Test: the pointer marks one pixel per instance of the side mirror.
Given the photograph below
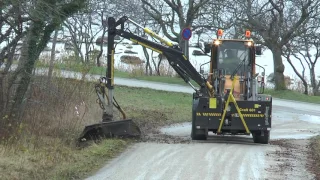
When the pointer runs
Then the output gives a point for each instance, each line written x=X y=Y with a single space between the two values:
x=258 y=50
x=207 y=48
x=197 y=53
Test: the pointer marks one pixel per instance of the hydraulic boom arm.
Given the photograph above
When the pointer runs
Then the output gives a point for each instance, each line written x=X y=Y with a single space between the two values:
x=173 y=53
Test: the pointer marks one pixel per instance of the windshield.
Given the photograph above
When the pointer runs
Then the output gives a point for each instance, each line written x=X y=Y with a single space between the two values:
x=231 y=54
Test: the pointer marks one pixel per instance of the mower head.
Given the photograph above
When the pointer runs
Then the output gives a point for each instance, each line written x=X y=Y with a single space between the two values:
x=120 y=128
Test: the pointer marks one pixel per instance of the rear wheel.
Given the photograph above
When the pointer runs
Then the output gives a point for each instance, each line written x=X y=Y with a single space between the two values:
x=261 y=137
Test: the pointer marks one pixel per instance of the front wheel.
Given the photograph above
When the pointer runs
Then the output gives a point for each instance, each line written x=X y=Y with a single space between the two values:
x=195 y=136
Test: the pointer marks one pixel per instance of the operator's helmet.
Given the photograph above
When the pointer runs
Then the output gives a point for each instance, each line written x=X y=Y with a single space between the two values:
x=230 y=54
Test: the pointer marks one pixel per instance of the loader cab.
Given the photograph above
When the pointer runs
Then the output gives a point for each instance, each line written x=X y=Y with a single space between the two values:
x=233 y=56
x=229 y=54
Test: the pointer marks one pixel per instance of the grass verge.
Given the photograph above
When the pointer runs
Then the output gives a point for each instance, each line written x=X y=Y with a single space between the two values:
x=314 y=156
x=46 y=149
x=56 y=160
x=293 y=95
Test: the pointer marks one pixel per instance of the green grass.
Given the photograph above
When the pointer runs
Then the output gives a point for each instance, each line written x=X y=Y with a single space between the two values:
x=172 y=106
x=293 y=95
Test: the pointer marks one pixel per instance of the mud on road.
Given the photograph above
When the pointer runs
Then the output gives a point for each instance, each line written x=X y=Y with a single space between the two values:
x=290 y=160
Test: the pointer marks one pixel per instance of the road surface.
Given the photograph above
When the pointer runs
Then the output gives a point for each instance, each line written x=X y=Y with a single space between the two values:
x=228 y=157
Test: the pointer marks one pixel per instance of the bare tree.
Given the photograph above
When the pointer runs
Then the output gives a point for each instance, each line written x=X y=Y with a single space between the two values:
x=83 y=30
x=168 y=13
x=13 y=20
x=212 y=16
x=274 y=24
x=53 y=55
x=289 y=54
x=312 y=59
x=131 y=9
x=44 y=19
x=302 y=49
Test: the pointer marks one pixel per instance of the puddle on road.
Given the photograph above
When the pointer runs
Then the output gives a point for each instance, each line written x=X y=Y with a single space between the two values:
x=182 y=129
x=288 y=116
x=291 y=134
x=310 y=118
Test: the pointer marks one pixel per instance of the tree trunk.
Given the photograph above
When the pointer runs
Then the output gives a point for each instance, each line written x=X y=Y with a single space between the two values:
x=53 y=55
x=153 y=62
x=301 y=76
x=101 y=47
x=36 y=40
x=25 y=74
x=314 y=84
x=148 y=67
x=317 y=90
x=158 y=67
x=4 y=93
x=278 y=69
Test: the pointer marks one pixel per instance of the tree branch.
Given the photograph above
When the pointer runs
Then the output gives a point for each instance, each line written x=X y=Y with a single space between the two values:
x=304 y=15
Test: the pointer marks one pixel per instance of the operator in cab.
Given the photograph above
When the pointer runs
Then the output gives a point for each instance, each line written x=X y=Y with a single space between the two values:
x=230 y=62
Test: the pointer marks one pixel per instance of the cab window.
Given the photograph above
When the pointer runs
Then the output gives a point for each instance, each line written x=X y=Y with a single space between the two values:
x=231 y=54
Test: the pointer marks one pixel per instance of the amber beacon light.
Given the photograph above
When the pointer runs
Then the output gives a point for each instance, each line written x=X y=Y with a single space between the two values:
x=220 y=32
x=248 y=34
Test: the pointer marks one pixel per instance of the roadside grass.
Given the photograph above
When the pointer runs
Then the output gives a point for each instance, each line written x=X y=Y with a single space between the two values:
x=293 y=95
x=54 y=159
x=154 y=108
x=314 y=156
x=46 y=147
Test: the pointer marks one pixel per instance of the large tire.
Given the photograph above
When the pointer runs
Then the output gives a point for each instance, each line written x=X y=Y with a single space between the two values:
x=195 y=136
x=258 y=138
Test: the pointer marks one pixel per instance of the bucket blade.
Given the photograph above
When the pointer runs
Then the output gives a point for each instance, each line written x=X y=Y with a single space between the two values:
x=122 y=128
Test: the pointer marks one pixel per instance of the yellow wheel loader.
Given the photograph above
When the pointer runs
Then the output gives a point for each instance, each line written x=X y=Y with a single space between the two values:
x=228 y=99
